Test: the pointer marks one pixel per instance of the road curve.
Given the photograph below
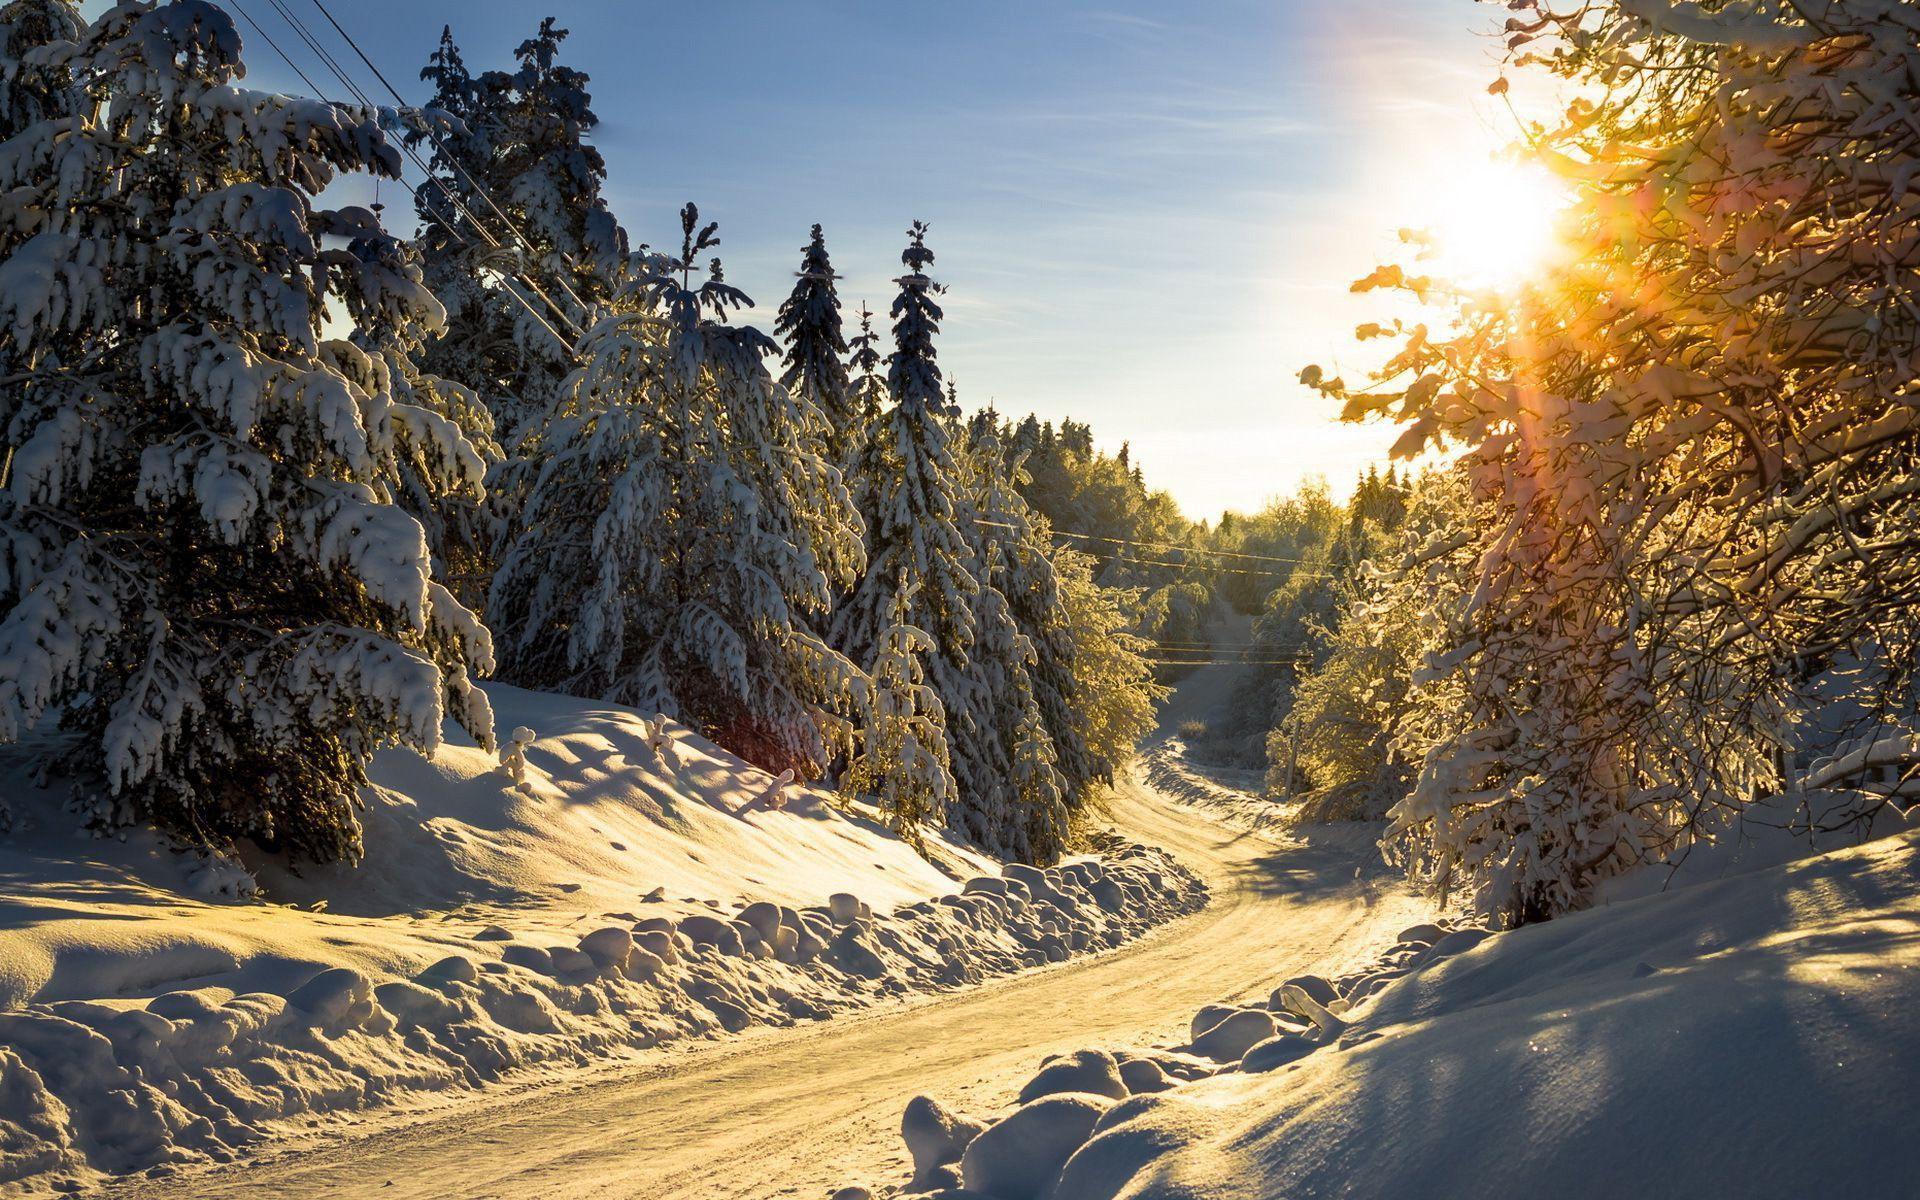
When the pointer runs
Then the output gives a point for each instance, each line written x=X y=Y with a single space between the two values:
x=799 y=1111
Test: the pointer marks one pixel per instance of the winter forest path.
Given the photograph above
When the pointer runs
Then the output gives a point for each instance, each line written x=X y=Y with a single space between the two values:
x=797 y=1112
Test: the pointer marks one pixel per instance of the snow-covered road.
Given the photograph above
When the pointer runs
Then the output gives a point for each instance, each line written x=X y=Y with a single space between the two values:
x=798 y=1111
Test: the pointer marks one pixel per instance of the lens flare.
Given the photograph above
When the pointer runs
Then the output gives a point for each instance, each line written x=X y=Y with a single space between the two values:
x=1494 y=227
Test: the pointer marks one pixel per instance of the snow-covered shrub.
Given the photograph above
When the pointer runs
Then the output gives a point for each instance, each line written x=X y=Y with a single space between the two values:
x=204 y=578
x=681 y=536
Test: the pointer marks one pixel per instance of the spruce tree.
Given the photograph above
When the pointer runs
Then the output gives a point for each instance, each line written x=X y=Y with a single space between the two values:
x=809 y=323
x=1022 y=558
x=38 y=89
x=912 y=481
x=865 y=463
x=518 y=239
x=204 y=580
x=913 y=495
x=681 y=535
x=445 y=448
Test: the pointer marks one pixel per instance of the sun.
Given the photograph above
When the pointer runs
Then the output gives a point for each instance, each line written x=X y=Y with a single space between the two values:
x=1493 y=226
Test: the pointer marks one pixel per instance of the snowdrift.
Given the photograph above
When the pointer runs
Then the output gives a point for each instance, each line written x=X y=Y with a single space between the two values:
x=620 y=898
x=1750 y=1036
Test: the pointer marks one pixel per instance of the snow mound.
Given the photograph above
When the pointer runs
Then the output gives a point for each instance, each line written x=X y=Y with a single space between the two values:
x=1576 y=1058
x=1573 y=1058
x=608 y=900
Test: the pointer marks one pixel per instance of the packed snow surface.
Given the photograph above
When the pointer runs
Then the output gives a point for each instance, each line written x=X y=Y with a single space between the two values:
x=635 y=886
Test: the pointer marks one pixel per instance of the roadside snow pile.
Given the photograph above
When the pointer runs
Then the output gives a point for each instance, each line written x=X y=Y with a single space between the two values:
x=1022 y=1154
x=1751 y=1036
x=494 y=926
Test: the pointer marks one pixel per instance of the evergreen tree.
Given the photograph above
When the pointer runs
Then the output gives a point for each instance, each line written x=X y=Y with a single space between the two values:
x=1016 y=562
x=681 y=534
x=445 y=447
x=913 y=486
x=903 y=758
x=204 y=579
x=518 y=241
x=816 y=349
x=865 y=464
x=1012 y=797
x=913 y=496
x=35 y=90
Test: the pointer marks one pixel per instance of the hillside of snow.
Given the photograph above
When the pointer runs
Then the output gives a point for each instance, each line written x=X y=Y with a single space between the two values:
x=452 y=846
x=638 y=887
x=1750 y=1036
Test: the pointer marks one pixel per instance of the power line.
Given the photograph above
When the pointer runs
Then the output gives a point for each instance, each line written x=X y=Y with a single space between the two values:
x=353 y=89
x=1158 y=562
x=453 y=159
x=408 y=150
x=425 y=169
x=1188 y=566
x=1096 y=537
x=318 y=93
x=1227 y=662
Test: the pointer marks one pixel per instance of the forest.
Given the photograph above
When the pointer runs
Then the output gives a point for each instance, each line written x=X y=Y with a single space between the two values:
x=281 y=485
x=455 y=639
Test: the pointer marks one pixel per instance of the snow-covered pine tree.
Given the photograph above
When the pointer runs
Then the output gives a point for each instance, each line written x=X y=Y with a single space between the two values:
x=1012 y=797
x=1010 y=783
x=902 y=759
x=915 y=490
x=869 y=383
x=517 y=237
x=203 y=579
x=865 y=464
x=681 y=534
x=912 y=484
x=816 y=366
x=446 y=447
x=33 y=91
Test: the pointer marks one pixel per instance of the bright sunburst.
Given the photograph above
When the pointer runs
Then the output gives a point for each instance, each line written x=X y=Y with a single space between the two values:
x=1493 y=226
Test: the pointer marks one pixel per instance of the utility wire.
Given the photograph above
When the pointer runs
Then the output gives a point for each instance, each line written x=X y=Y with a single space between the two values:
x=451 y=158
x=320 y=93
x=1158 y=562
x=426 y=169
x=1228 y=662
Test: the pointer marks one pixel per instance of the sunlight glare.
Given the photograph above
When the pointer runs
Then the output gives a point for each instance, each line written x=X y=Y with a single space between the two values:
x=1493 y=227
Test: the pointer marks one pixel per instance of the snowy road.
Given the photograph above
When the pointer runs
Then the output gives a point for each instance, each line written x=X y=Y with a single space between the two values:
x=796 y=1112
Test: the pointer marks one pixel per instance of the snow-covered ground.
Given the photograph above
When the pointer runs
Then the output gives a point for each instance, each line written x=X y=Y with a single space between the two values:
x=1234 y=794
x=1749 y=1035
x=623 y=897
x=795 y=1111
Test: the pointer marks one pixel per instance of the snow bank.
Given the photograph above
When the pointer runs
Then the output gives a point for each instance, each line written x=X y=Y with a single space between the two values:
x=1749 y=1036
x=621 y=897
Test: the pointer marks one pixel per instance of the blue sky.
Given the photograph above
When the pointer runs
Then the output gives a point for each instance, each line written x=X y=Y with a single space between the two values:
x=1147 y=213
